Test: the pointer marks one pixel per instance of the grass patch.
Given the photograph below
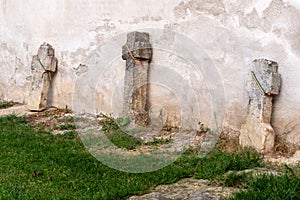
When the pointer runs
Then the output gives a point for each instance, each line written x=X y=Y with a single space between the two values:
x=217 y=163
x=264 y=186
x=237 y=180
x=67 y=127
x=6 y=104
x=123 y=140
x=66 y=120
x=116 y=135
x=270 y=187
x=36 y=164
x=158 y=141
x=39 y=165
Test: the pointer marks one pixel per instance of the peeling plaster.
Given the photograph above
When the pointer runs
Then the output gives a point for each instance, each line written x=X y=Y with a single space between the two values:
x=233 y=33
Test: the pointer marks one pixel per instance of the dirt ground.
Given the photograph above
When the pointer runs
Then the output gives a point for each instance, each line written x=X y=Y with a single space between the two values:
x=60 y=121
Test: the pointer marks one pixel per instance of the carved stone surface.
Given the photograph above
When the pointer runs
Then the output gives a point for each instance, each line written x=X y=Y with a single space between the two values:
x=262 y=84
x=43 y=67
x=138 y=53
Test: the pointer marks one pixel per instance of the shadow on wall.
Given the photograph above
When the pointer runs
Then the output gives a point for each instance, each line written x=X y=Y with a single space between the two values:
x=51 y=90
x=292 y=132
x=1 y=91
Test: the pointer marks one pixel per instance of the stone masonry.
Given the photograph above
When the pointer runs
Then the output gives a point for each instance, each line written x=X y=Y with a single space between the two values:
x=263 y=84
x=43 y=67
x=138 y=53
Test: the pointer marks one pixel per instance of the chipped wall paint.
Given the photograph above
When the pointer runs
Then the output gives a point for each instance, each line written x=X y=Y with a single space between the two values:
x=233 y=33
x=294 y=3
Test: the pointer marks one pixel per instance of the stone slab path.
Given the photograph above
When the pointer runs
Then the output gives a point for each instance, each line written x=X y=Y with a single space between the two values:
x=187 y=189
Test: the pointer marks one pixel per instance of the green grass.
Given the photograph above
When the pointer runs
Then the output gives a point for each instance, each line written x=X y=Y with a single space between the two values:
x=235 y=179
x=67 y=127
x=269 y=187
x=159 y=141
x=38 y=165
x=6 y=104
x=116 y=135
x=121 y=139
x=67 y=120
x=65 y=169
x=219 y=162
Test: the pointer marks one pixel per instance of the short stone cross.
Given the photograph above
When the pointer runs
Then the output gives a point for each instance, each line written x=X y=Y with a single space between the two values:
x=263 y=83
x=138 y=53
x=43 y=67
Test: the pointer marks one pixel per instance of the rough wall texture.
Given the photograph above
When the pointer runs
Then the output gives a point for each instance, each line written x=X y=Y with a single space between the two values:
x=233 y=33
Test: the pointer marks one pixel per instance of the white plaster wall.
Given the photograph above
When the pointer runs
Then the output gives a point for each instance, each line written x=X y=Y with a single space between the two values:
x=233 y=33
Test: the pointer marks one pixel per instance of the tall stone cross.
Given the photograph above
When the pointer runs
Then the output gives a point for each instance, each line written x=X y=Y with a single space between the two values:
x=138 y=53
x=43 y=67
x=262 y=85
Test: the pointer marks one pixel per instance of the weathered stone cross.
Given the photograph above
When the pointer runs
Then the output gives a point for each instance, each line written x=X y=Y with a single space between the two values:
x=138 y=53
x=43 y=67
x=264 y=82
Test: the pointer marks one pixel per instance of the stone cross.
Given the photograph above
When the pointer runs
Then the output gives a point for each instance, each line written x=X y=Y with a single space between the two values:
x=263 y=83
x=138 y=53
x=43 y=67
